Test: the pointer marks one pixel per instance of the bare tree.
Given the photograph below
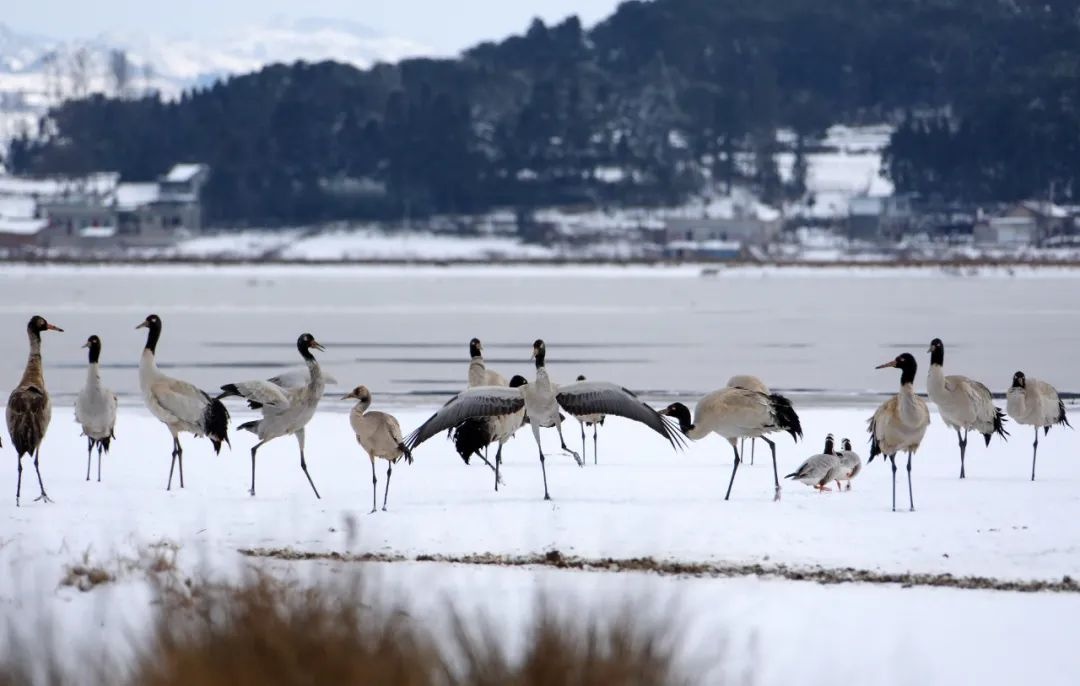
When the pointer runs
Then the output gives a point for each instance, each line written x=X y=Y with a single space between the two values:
x=120 y=72
x=54 y=77
x=79 y=69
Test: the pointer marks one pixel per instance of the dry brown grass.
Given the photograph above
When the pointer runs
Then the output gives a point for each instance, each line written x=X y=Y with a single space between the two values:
x=262 y=630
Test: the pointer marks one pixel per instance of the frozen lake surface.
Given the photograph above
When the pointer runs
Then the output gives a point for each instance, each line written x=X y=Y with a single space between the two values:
x=815 y=333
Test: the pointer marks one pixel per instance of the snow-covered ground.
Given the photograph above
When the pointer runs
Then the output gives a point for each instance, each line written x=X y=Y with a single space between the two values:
x=642 y=499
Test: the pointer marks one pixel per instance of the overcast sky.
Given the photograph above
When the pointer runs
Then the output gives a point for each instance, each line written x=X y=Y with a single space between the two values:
x=445 y=25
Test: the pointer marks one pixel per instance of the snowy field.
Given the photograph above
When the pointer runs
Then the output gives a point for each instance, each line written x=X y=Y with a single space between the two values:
x=642 y=499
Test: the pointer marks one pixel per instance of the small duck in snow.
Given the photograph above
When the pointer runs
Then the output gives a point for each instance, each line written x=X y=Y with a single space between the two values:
x=819 y=469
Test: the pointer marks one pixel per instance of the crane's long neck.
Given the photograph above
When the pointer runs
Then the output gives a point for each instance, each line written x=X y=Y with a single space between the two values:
x=148 y=368
x=476 y=371
x=314 y=370
x=33 y=372
x=935 y=380
x=909 y=404
x=92 y=372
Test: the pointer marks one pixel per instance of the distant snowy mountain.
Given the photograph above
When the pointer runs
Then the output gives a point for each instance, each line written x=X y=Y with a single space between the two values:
x=37 y=71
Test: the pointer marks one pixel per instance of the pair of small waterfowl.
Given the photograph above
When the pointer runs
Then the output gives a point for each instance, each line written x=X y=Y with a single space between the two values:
x=829 y=465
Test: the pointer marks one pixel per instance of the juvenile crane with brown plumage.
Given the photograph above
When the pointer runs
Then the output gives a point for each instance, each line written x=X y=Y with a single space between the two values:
x=29 y=409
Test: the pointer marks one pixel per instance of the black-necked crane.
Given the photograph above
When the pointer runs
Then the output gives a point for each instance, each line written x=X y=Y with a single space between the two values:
x=964 y=404
x=179 y=405
x=1037 y=404
x=735 y=413
x=29 y=408
x=95 y=408
x=900 y=423
x=477 y=433
x=379 y=434
x=286 y=407
x=541 y=401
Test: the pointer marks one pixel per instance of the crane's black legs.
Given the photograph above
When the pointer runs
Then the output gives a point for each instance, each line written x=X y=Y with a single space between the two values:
x=177 y=456
x=963 y=449
x=253 y=449
x=583 y=453
x=1034 y=453
x=374 y=483
x=18 y=483
x=753 y=446
x=41 y=485
x=483 y=458
x=303 y=464
x=892 y=460
x=386 y=492
x=89 y=452
x=577 y=458
x=498 y=463
x=540 y=449
x=99 y=448
x=775 y=472
x=595 y=459
x=734 y=469
x=911 y=497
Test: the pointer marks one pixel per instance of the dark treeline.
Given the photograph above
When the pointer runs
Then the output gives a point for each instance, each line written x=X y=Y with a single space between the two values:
x=646 y=107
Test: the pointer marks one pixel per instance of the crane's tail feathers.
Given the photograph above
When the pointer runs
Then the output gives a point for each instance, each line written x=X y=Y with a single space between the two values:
x=216 y=424
x=875 y=447
x=999 y=426
x=786 y=417
x=1062 y=419
x=406 y=452
x=791 y=475
x=252 y=426
x=471 y=436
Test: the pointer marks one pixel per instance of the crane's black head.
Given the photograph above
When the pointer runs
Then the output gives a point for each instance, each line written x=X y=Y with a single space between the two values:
x=681 y=413
x=305 y=344
x=937 y=351
x=907 y=365
x=846 y=444
x=580 y=377
x=360 y=394
x=94 y=344
x=37 y=324
x=517 y=381
x=829 y=444
x=1019 y=380
x=539 y=352
x=153 y=325
x=476 y=348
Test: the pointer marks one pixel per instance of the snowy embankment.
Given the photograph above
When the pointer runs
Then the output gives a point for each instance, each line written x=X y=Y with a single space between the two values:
x=642 y=499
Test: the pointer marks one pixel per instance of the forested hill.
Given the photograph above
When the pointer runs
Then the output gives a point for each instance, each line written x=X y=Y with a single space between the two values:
x=649 y=105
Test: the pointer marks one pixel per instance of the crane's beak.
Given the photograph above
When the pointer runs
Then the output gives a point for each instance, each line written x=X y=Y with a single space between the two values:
x=890 y=363
x=348 y=396
x=85 y=345
x=930 y=349
x=317 y=346
x=533 y=356
x=143 y=325
x=53 y=327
